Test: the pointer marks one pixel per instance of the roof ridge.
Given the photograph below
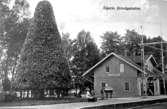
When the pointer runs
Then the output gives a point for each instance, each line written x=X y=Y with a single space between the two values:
x=131 y=63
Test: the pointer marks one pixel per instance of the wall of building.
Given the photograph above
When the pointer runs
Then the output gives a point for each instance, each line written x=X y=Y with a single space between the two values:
x=115 y=79
x=149 y=65
x=156 y=82
x=156 y=87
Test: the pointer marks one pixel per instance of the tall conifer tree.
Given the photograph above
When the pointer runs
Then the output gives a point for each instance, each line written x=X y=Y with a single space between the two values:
x=42 y=64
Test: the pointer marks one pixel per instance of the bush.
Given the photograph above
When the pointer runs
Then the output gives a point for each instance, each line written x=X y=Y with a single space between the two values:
x=6 y=84
x=10 y=96
x=2 y=96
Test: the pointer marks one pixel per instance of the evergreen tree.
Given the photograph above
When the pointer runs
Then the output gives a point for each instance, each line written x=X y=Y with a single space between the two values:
x=42 y=64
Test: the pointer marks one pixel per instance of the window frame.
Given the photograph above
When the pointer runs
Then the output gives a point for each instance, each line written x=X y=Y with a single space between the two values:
x=127 y=86
x=122 y=68
x=107 y=68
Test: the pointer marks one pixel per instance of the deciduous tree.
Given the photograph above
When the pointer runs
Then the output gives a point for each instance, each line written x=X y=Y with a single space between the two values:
x=111 y=42
x=86 y=54
x=12 y=35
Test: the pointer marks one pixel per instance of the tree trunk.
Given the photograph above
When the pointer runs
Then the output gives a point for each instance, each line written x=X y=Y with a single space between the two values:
x=21 y=94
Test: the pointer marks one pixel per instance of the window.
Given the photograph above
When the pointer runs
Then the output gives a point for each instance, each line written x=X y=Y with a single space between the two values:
x=126 y=86
x=107 y=68
x=121 y=68
x=103 y=84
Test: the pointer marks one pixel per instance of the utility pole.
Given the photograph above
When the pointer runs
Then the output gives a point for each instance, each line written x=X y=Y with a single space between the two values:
x=143 y=65
x=162 y=59
x=163 y=71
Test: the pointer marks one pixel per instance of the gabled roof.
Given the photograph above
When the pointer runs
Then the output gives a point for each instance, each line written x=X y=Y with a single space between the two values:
x=125 y=59
x=152 y=57
x=137 y=59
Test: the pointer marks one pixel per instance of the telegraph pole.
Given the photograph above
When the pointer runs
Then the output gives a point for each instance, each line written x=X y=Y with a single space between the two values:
x=163 y=71
x=143 y=65
x=162 y=59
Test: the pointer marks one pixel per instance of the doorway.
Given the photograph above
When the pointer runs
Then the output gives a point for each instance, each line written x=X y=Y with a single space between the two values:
x=150 y=86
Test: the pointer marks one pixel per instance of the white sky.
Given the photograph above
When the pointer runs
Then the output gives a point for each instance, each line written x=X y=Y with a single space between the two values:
x=73 y=16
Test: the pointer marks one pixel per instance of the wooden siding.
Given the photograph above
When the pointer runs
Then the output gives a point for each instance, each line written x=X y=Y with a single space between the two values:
x=115 y=79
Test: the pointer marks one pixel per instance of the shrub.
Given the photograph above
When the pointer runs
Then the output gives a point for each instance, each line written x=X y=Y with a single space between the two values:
x=10 y=96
